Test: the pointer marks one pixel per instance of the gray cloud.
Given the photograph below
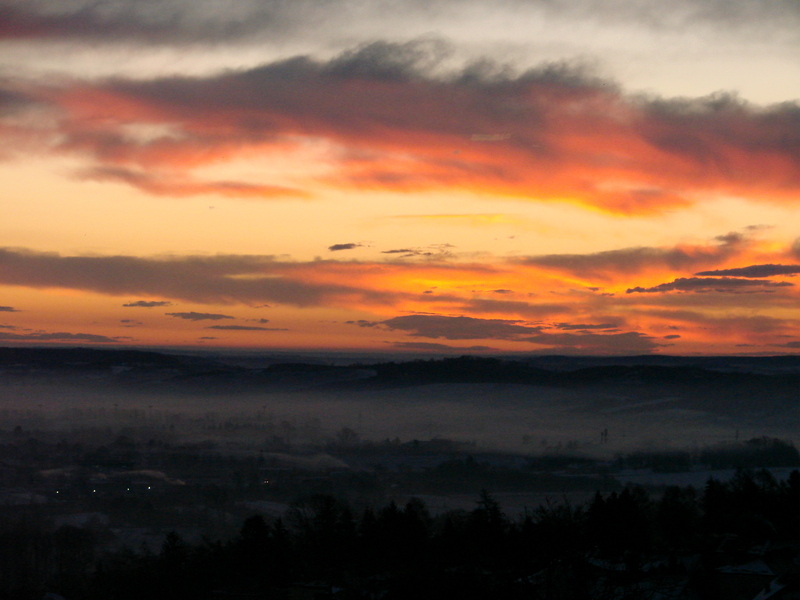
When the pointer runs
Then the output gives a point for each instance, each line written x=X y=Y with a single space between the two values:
x=244 y=328
x=388 y=61
x=161 y=184
x=178 y=21
x=196 y=316
x=168 y=21
x=769 y=270
x=201 y=279
x=459 y=328
x=363 y=323
x=337 y=247
x=437 y=250
x=570 y=326
x=631 y=342
x=636 y=260
x=8 y=309
x=709 y=284
x=57 y=337
x=147 y=304
x=11 y=101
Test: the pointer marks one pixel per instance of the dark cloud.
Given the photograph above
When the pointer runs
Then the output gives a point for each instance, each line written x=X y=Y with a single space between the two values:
x=202 y=279
x=167 y=22
x=437 y=250
x=148 y=304
x=502 y=291
x=672 y=336
x=459 y=328
x=636 y=260
x=244 y=328
x=386 y=61
x=57 y=337
x=337 y=247
x=363 y=323
x=769 y=270
x=709 y=284
x=262 y=321
x=182 y=22
x=569 y=326
x=12 y=101
x=8 y=309
x=733 y=238
x=196 y=316
x=631 y=342
x=11 y=327
x=790 y=345
x=754 y=300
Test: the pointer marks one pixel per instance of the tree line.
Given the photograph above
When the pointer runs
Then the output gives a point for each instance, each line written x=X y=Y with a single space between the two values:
x=620 y=544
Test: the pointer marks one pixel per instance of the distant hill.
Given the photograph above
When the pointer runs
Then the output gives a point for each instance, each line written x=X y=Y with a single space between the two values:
x=538 y=370
x=538 y=398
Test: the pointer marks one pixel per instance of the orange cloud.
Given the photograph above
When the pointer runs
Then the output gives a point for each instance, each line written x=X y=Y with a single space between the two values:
x=515 y=304
x=557 y=136
x=612 y=264
x=176 y=185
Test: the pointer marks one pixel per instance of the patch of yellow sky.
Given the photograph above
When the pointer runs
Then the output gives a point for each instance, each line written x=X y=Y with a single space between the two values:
x=56 y=211
x=52 y=209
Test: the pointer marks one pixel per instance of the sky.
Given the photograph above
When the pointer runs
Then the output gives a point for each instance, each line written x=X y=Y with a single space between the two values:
x=438 y=176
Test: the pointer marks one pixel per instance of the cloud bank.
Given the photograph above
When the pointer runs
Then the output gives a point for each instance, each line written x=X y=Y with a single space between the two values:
x=755 y=271
x=401 y=125
x=708 y=284
x=196 y=316
x=205 y=280
x=147 y=304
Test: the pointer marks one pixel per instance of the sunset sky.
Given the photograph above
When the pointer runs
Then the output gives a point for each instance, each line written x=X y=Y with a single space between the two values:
x=463 y=176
